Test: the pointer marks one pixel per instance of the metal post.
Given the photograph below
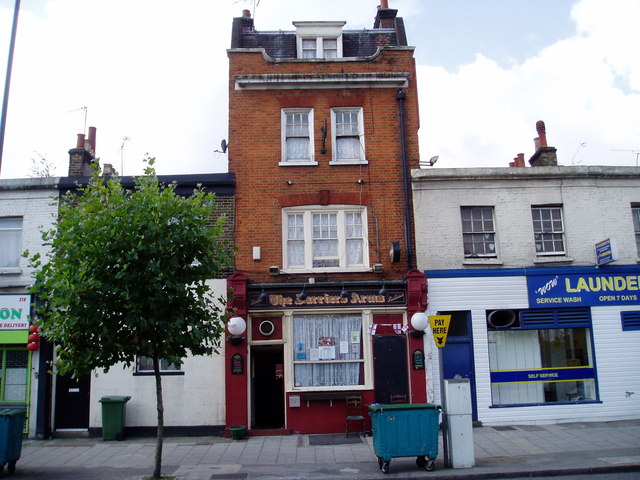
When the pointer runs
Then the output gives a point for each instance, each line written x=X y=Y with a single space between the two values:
x=7 y=82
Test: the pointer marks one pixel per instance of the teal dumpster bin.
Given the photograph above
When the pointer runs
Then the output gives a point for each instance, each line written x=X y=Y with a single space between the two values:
x=405 y=430
x=11 y=427
x=113 y=416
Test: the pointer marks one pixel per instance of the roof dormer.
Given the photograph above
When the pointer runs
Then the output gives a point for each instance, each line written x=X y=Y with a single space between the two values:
x=319 y=39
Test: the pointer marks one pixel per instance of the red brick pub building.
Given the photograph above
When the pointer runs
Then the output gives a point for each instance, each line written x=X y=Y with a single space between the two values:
x=323 y=125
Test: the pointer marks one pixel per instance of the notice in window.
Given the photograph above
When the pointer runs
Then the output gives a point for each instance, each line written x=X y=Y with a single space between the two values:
x=327 y=352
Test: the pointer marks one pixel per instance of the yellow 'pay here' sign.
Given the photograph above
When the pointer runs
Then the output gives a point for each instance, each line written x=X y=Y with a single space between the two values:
x=440 y=328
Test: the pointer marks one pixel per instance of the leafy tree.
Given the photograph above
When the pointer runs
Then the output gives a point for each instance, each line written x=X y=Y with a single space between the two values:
x=126 y=277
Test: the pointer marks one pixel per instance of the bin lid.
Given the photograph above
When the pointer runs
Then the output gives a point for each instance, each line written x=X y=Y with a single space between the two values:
x=114 y=399
x=379 y=407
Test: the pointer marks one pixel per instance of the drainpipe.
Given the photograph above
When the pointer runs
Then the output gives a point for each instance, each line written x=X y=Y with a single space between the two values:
x=400 y=96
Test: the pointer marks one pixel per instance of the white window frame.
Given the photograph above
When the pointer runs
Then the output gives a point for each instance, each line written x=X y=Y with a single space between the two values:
x=361 y=158
x=635 y=213
x=302 y=354
x=10 y=259
x=488 y=235
x=306 y=214
x=319 y=47
x=546 y=231
x=142 y=367
x=283 y=129
x=367 y=353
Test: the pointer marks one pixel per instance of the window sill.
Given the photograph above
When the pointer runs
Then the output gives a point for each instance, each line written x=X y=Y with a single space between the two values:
x=150 y=374
x=551 y=259
x=325 y=270
x=349 y=162
x=10 y=270
x=298 y=164
x=482 y=261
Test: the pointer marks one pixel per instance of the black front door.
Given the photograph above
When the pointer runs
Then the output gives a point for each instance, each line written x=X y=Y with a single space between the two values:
x=268 y=387
x=390 y=367
x=72 y=402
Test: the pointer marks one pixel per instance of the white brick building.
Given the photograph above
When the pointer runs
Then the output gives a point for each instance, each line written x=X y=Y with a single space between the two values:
x=544 y=333
x=27 y=206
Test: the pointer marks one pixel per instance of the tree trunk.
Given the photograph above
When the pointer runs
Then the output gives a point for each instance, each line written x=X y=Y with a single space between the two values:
x=160 y=436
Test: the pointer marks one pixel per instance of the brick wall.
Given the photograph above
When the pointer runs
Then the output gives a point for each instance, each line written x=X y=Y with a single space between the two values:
x=255 y=153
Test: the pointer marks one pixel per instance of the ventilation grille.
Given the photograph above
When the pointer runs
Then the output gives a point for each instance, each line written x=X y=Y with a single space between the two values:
x=551 y=318
x=630 y=320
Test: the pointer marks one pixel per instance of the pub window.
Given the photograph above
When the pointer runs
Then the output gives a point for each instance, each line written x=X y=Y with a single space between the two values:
x=328 y=351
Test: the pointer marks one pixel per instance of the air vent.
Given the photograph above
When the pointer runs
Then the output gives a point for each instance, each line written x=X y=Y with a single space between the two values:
x=266 y=328
x=503 y=319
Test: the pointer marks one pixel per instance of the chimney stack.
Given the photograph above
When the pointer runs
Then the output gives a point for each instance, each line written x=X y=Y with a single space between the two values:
x=81 y=157
x=386 y=17
x=544 y=156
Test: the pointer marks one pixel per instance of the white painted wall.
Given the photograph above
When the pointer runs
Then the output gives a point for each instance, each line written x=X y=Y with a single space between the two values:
x=596 y=205
x=193 y=399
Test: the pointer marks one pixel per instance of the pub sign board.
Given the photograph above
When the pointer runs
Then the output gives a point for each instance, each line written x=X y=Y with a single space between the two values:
x=327 y=298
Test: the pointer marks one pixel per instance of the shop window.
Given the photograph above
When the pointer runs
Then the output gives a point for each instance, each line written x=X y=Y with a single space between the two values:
x=347 y=135
x=548 y=359
x=15 y=375
x=630 y=321
x=328 y=351
x=10 y=241
x=297 y=136
x=635 y=213
x=325 y=239
x=548 y=230
x=144 y=366
x=478 y=232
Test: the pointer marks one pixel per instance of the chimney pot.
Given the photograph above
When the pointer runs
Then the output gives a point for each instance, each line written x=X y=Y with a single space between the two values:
x=542 y=133
x=80 y=142
x=246 y=13
x=384 y=3
x=92 y=139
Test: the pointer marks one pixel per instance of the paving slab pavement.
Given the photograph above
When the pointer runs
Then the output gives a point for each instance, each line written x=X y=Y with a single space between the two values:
x=500 y=452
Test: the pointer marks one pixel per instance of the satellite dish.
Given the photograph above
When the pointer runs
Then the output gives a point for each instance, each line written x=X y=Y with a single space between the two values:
x=223 y=145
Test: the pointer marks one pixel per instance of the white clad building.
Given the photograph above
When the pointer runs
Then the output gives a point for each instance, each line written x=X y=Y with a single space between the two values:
x=546 y=326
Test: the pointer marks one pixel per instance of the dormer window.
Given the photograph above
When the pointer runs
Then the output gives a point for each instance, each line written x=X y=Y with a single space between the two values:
x=319 y=39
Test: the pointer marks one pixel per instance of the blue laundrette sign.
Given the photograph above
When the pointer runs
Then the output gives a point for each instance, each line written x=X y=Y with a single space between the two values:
x=588 y=289
x=560 y=374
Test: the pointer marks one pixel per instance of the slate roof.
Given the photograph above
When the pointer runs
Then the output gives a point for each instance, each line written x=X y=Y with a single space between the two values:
x=282 y=44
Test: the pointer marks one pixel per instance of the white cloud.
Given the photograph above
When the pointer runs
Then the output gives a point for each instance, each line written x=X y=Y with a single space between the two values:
x=483 y=115
x=157 y=72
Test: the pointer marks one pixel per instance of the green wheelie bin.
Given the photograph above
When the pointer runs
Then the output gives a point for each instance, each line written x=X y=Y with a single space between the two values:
x=113 y=417
x=11 y=427
x=405 y=430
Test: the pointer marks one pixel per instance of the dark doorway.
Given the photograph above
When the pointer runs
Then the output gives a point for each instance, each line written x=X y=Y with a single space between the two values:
x=268 y=387
x=390 y=367
x=72 y=402
x=457 y=354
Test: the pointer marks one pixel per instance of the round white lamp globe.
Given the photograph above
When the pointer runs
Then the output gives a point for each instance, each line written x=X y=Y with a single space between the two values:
x=236 y=326
x=419 y=321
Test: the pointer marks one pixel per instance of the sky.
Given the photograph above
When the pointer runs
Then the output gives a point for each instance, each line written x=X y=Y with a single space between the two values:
x=152 y=77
